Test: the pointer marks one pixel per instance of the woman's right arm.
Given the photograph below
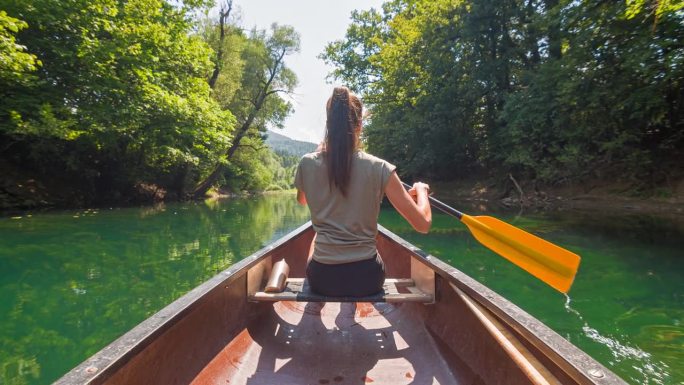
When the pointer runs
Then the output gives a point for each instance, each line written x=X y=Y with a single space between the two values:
x=418 y=212
x=301 y=197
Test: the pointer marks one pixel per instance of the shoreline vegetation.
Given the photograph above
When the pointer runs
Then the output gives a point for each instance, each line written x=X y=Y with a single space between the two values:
x=138 y=101
x=549 y=98
x=548 y=104
x=31 y=197
x=606 y=198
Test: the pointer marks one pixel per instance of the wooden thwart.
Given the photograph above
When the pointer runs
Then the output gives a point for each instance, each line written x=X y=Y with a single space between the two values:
x=395 y=290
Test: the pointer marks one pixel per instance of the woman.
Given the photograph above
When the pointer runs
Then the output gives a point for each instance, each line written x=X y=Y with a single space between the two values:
x=344 y=187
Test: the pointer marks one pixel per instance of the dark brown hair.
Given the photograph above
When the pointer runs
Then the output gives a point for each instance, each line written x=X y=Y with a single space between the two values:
x=343 y=122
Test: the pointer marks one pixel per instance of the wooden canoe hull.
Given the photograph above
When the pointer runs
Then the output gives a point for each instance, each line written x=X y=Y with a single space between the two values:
x=215 y=334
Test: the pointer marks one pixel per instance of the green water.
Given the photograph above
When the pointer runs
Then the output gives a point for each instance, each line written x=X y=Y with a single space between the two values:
x=626 y=307
x=71 y=282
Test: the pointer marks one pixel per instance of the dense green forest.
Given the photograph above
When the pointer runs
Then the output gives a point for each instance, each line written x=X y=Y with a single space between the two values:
x=112 y=100
x=554 y=92
x=116 y=101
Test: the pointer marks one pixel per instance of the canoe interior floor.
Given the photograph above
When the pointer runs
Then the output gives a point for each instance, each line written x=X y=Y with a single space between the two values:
x=331 y=343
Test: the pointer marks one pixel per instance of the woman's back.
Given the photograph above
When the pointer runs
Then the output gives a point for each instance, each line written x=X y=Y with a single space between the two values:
x=343 y=188
x=345 y=224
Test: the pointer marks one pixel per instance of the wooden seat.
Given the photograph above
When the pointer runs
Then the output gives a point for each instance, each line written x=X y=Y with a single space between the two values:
x=394 y=290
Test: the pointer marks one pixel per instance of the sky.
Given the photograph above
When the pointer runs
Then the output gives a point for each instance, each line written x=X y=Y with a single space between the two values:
x=318 y=22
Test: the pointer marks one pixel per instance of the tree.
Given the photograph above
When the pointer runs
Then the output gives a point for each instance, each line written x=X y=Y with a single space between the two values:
x=257 y=102
x=610 y=105
x=557 y=91
x=224 y=14
x=15 y=63
x=414 y=58
x=121 y=96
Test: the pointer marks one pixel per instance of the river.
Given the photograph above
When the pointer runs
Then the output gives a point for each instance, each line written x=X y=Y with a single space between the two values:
x=73 y=281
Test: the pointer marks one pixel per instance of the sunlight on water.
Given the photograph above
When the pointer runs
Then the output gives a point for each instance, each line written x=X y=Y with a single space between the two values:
x=652 y=373
x=641 y=361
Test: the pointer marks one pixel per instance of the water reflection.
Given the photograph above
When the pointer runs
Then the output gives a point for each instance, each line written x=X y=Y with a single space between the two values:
x=71 y=282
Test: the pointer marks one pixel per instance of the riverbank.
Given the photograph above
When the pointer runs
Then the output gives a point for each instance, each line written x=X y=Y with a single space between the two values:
x=609 y=197
x=21 y=192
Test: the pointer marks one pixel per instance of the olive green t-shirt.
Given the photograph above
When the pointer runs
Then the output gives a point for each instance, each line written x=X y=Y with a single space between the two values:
x=345 y=226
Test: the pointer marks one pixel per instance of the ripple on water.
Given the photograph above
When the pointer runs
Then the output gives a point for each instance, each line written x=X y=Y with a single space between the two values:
x=652 y=371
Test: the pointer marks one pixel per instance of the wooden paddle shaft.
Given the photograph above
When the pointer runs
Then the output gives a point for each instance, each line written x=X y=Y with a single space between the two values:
x=535 y=371
x=441 y=206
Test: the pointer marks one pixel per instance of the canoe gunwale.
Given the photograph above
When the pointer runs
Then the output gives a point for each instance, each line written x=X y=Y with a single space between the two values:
x=99 y=367
x=575 y=362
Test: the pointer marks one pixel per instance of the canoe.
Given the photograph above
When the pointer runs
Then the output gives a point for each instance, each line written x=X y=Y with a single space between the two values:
x=433 y=325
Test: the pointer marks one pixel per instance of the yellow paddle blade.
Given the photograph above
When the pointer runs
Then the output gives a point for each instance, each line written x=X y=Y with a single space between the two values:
x=546 y=261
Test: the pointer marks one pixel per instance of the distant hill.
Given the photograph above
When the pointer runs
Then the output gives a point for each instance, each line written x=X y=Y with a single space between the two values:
x=282 y=144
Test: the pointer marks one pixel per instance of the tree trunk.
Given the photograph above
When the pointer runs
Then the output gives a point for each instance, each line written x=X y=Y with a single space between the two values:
x=202 y=188
x=209 y=181
x=224 y=13
x=532 y=35
x=555 y=50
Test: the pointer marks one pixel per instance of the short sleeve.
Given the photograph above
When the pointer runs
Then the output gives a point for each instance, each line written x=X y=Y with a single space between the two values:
x=386 y=170
x=299 y=178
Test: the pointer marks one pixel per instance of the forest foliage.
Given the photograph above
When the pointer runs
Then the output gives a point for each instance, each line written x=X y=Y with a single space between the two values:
x=123 y=99
x=150 y=98
x=555 y=91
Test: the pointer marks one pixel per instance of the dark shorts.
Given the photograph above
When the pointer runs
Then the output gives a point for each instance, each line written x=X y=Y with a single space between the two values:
x=355 y=279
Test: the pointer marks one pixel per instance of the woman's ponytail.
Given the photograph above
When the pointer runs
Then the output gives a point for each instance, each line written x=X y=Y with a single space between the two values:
x=342 y=126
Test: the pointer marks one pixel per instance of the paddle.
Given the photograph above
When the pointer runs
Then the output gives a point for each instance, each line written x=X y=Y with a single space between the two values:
x=550 y=263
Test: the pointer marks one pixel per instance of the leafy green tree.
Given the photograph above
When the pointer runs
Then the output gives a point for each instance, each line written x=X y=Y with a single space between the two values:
x=121 y=95
x=414 y=57
x=611 y=105
x=15 y=63
x=554 y=90
x=256 y=103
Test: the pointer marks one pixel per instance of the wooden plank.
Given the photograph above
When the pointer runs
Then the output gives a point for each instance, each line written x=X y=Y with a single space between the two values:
x=420 y=298
x=393 y=281
x=297 y=289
